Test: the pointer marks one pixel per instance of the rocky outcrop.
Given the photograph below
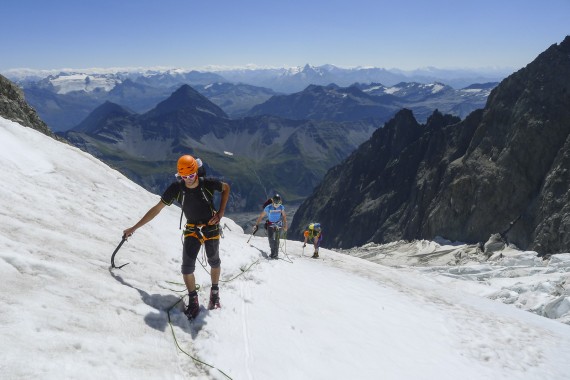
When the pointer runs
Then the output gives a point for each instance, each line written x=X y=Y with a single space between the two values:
x=515 y=166
x=13 y=107
x=504 y=169
x=382 y=192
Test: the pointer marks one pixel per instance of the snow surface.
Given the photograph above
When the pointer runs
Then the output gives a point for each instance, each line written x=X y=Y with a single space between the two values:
x=497 y=271
x=392 y=90
x=472 y=90
x=64 y=314
x=83 y=82
x=436 y=88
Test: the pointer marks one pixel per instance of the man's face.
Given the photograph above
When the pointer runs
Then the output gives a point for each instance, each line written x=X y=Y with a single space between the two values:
x=190 y=179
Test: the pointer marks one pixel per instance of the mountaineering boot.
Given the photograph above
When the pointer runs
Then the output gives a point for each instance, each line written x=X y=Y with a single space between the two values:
x=315 y=255
x=193 y=306
x=214 y=299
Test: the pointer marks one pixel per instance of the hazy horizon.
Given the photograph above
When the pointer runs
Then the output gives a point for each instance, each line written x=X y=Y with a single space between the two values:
x=406 y=35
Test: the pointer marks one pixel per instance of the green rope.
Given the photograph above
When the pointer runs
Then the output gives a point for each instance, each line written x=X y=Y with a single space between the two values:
x=242 y=272
x=180 y=283
x=283 y=247
x=236 y=276
x=181 y=298
x=173 y=290
x=176 y=283
x=180 y=348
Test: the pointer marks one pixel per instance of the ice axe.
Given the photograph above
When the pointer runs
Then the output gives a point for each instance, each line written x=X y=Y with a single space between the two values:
x=115 y=252
x=252 y=233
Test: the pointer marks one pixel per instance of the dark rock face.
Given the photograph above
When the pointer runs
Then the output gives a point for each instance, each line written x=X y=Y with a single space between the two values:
x=378 y=192
x=462 y=180
x=14 y=107
x=515 y=162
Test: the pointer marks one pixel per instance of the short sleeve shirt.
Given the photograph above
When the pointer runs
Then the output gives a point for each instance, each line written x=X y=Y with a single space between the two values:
x=273 y=213
x=197 y=206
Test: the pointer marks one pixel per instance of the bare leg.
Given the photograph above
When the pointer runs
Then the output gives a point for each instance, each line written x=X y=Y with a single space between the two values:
x=190 y=282
x=215 y=275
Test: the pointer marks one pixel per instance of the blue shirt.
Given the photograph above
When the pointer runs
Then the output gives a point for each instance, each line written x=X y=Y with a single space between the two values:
x=273 y=213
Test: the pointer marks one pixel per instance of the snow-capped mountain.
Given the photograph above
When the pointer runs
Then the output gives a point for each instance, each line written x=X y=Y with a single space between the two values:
x=68 y=82
x=287 y=80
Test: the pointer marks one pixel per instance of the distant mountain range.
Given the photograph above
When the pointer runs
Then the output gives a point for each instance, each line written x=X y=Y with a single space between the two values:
x=141 y=123
x=256 y=155
x=63 y=107
x=298 y=78
x=282 y=80
x=375 y=100
x=311 y=130
x=64 y=99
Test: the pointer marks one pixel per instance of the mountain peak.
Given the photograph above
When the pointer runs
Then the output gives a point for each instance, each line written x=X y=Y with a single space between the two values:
x=186 y=92
x=186 y=99
x=100 y=115
x=565 y=44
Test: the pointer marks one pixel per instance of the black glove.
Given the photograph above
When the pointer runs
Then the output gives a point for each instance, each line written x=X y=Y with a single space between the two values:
x=304 y=245
x=255 y=228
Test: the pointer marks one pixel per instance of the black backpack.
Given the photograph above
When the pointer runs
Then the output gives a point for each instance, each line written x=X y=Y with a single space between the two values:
x=270 y=200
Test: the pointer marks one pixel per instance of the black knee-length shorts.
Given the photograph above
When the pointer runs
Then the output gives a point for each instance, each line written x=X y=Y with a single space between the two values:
x=190 y=252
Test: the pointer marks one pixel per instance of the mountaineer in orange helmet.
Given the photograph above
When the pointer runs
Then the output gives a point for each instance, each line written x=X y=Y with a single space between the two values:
x=195 y=195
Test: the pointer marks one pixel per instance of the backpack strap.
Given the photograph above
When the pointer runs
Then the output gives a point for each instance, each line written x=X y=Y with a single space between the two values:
x=181 y=195
x=208 y=199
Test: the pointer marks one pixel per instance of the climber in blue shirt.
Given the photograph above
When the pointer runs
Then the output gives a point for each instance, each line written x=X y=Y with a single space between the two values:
x=276 y=220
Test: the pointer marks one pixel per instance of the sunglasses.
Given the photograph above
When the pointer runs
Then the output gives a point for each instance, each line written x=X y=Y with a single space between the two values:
x=190 y=176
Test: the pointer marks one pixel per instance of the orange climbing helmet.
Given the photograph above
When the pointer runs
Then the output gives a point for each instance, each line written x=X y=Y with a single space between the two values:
x=187 y=165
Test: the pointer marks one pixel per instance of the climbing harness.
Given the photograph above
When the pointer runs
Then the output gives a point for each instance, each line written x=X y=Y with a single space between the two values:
x=202 y=232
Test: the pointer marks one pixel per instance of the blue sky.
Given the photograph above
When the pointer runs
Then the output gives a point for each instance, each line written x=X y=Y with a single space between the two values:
x=404 y=34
